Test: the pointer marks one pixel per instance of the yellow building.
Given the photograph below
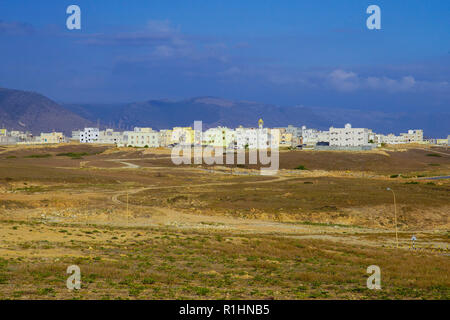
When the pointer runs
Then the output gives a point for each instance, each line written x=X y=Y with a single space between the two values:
x=165 y=138
x=286 y=139
x=183 y=135
x=52 y=137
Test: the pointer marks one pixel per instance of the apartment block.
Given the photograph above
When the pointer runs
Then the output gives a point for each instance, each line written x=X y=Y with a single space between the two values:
x=109 y=136
x=219 y=137
x=141 y=137
x=286 y=139
x=52 y=137
x=413 y=136
x=253 y=138
x=75 y=135
x=294 y=131
x=183 y=135
x=89 y=135
x=348 y=136
x=165 y=137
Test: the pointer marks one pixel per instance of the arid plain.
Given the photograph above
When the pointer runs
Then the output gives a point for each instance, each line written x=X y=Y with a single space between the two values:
x=140 y=227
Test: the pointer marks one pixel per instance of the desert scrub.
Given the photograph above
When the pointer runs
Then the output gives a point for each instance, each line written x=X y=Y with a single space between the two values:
x=73 y=155
x=46 y=155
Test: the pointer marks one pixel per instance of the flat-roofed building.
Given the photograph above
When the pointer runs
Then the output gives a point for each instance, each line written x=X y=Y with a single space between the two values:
x=295 y=131
x=183 y=135
x=253 y=138
x=286 y=138
x=75 y=135
x=89 y=135
x=309 y=136
x=219 y=137
x=52 y=137
x=165 y=137
x=413 y=136
x=141 y=137
x=348 y=136
x=109 y=136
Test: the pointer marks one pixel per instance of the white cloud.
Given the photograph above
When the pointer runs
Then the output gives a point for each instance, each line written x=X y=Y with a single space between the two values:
x=344 y=81
x=347 y=81
x=161 y=26
x=231 y=71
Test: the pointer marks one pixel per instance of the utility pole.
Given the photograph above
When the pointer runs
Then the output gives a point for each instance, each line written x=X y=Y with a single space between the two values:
x=395 y=215
x=128 y=216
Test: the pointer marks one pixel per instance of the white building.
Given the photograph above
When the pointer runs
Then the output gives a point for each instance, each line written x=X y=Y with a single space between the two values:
x=89 y=135
x=141 y=137
x=323 y=136
x=253 y=138
x=295 y=131
x=109 y=136
x=390 y=139
x=413 y=136
x=312 y=136
x=309 y=136
x=348 y=136
x=75 y=135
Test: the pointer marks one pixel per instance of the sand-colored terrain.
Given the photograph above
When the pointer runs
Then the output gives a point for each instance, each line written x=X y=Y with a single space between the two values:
x=140 y=227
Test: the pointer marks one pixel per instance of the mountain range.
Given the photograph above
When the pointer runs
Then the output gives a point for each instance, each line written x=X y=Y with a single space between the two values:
x=30 y=111
x=36 y=113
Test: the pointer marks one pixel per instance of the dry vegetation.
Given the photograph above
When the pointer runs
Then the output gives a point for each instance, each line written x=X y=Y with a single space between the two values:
x=191 y=233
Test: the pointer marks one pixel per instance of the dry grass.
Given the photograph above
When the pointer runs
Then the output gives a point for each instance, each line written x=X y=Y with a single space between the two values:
x=188 y=233
x=166 y=263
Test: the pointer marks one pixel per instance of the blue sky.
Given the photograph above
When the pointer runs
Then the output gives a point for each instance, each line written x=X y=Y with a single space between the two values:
x=312 y=53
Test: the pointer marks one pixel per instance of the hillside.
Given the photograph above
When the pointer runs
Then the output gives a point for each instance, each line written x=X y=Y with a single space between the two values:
x=30 y=111
x=160 y=114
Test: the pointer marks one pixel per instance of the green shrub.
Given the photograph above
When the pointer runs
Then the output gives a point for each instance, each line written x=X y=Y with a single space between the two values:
x=73 y=155
x=39 y=156
x=148 y=280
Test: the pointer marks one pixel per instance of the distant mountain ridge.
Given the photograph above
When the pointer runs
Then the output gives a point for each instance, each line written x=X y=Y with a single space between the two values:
x=213 y=111
x=30 y=111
